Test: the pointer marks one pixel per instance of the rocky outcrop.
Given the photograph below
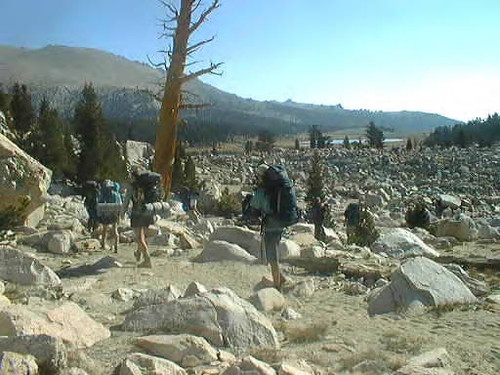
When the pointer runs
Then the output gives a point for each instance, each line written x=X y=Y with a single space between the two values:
x=23 y=182
x=401 y=243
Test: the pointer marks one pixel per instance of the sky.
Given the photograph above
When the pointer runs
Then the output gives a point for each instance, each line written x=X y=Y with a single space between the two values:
x=436 y=56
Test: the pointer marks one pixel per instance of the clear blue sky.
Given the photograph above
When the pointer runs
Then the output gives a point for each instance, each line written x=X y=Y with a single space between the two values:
x=438 y=56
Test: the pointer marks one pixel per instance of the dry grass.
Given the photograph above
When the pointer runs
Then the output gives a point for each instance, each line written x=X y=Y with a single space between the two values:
x=268 y=355
x=397 y=342
x=394 y=361
x=77 y=358
x=309 y=333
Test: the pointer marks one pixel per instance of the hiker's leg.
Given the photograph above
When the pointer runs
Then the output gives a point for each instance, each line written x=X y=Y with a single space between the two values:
x=115 y=233
x=146 y=263
x=272 y=240
x=137 y=238
x=103 y=238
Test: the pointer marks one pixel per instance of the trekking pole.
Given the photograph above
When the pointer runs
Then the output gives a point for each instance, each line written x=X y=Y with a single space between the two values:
x=262 y=254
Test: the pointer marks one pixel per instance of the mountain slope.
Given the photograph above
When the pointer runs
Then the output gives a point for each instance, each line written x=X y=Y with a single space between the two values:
x=60 y=72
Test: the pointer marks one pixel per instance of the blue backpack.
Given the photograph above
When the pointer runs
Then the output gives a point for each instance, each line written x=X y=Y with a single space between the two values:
x=284 y=199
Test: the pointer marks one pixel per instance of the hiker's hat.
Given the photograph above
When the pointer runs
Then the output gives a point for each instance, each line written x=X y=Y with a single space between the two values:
x=262 y=169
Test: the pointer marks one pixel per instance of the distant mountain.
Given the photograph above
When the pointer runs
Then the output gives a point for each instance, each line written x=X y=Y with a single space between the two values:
x=125 y=88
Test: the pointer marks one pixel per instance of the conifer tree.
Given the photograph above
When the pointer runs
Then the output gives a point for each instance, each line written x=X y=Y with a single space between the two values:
x=347 y=142
x=297 y=144
x=50 y=148
x=190 y=175
x=21 y=110
x=178 y=169
x=315 y=181
x=99 y=156
x=409 y=145
x=375 y=136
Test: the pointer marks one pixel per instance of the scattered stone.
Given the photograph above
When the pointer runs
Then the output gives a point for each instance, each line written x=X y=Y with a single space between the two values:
x=195 y=288
x=157 y=296
x=49 y=352
x=89 y=244
x=59 y=242
x=417 y=283
x=401 y=243
x=138 y=363
x=17 y=364
x=185 y=350
x=20 y=268
x=268 y=299
x=290 y=314
x=215 y=251
x=124 y=294
x=477 y=287
x=304 y=289
x=72 y=371
x=219 y=316
x=288 y=248
x=67 y=322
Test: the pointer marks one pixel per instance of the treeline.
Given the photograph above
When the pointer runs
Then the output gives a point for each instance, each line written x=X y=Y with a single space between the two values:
x=483 y=132
x=82 y=148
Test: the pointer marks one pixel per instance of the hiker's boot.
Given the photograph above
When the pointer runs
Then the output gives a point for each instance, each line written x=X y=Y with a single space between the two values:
x=137 y=255
x=146 y=263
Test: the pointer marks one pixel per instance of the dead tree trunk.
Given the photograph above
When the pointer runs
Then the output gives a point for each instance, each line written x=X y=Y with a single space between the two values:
x=166 y=135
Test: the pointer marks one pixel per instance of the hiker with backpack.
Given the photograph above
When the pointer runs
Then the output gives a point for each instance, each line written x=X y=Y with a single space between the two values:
x=318 y=213
x=276 y=201
x=109 y=208
x=146 y=192
x=90 y=192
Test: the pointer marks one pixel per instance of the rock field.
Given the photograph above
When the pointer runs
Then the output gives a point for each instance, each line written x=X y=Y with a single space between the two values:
x=412 y=303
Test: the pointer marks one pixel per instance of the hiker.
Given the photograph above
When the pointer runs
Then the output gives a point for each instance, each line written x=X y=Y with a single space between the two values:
x=318 y=219
x=90 y=194
x=146 y=189
x=109 y=208
x=351 y=221
x=275 y=199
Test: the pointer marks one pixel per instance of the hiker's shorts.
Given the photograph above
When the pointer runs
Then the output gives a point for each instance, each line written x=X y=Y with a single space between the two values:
x=272 y=241
x=141 y=219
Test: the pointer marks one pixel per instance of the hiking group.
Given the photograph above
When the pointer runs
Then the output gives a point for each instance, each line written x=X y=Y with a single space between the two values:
x=106 y=206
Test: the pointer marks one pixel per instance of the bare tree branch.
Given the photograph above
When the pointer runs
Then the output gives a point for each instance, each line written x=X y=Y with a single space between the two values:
x=171 y=8
x=195 y=47
x=215 y=4
x=157 y=65
x=209 y=70
x=196 y=6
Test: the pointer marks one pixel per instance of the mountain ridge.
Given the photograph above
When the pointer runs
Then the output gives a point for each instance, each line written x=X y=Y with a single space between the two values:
x=123 y=85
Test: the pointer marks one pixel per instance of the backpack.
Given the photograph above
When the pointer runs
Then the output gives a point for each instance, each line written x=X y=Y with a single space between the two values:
x=150 y=184
x=352 y=214
x=282 y=192
x=248 y=213
x=90 y=192
x=110 y=202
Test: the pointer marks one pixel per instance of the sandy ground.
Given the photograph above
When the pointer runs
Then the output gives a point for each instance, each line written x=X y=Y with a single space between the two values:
x=334 y=333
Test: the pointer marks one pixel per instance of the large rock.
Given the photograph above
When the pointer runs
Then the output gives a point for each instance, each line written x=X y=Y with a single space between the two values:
x=49 y=352
x=477 y=287
x=219 y=316
x=138 y=153
x=268 y=299
x=401 y=243
x=17 y=364
x=20 y=268
x=446 y=200
x=420 y=282
x=462 y=228
x=288 y=249
x=243 y=237
x=157 y=296
x=59 y=242
x=140 y=364
x=216 y=251
x=68 y=322
x=185 y=350
x=22 y=179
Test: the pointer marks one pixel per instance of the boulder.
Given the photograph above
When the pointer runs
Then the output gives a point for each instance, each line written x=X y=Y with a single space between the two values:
x=268 y=299
x=314 y=251
x=462 y=228
x=288 y=249
x=20 y=268
x=49 y=352
x=157 y=296
x=243 y=237
x=59 y=242
x=23 y=182
x=446 y=200
x=17 y=364
x=420 y=282
x=72 y=371
x=195 y=288
x=477 y=287
x=138 y=153
x=140 y=364
x=252 y=365
x=401 y=243
x=216 y=251
x=185 y=350
x=67 y=322
x=219 y=316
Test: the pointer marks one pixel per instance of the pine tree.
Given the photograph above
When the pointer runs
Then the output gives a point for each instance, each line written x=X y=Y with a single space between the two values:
x=347 y=142
x=315 y=181
x=21 y=110
x=190 y=175
x=297 y=144
x=50 y=148
x=409 y=145
x=178 y=169
x=375 y=136
x=100 y=157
